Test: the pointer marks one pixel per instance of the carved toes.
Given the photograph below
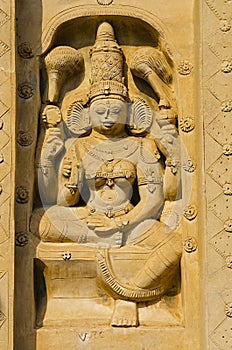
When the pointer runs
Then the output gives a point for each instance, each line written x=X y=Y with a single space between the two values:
x=125 y=314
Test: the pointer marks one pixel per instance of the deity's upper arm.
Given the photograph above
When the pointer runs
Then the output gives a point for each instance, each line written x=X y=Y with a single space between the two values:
x=73 y=151
x=71 y=158
x=149 y=169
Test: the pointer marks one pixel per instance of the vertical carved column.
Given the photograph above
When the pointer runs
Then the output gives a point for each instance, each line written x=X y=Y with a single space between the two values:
x=217 y=96
x=7 y=132
x=28 y=104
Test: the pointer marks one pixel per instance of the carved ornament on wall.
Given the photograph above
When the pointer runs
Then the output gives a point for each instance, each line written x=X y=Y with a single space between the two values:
x=226 y=66
x=190 y=212
x=22 y=194
x=226 y=106
x=227 y=189
x=225 y=25
x=25 y=90
x=67 y=256
x=190 y=245
x=25 y=50
x=228 y=225
x=227 y=149
x=21 y=239
x=187 y=124
x=189 y=166
x=24 y=138
x=184 y=68
x=228 y=310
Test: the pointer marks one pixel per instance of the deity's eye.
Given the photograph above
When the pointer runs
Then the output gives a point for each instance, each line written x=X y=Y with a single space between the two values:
x=116 y=110
x=100 y=110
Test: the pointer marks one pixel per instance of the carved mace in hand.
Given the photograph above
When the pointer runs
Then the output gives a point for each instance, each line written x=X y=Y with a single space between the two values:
x=61 y=62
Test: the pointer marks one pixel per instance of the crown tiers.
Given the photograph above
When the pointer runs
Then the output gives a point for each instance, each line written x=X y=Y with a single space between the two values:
x=107 y=65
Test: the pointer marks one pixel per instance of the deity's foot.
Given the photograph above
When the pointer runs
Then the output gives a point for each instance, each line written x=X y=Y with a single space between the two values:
x=118 y=289
x=125 y=314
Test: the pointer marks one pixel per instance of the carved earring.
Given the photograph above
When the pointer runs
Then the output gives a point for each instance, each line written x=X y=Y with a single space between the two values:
x=140 y=117
x=78 y=120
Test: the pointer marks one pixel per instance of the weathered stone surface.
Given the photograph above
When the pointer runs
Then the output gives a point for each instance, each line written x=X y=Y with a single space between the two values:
x=115 y=174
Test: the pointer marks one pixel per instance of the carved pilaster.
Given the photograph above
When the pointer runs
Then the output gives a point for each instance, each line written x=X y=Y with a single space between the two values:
x=217 y=116
x=7 y=124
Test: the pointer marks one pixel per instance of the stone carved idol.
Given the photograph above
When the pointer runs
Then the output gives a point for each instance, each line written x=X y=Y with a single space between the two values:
x=106 y=165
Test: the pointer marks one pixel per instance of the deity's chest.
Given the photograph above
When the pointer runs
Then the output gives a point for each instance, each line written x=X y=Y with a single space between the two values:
x=112 y=180
x=109 y=160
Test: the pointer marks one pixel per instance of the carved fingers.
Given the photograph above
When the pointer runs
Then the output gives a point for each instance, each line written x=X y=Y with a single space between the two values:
x=53 y=144
x=105 y=230
x=149 y=59
x=67 y=167
x=96 y=220
x=169 y=132
x=101 y=224
x=167 y=138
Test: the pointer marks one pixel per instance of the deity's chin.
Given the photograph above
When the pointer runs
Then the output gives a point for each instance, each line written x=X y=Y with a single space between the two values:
x=110 y=129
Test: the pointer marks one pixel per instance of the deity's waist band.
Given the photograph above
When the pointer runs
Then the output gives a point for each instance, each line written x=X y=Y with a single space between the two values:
x=111 y=212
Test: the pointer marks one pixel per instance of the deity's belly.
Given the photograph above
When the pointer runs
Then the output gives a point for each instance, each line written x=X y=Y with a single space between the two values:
x=110 y=197
x=111 y=186
x=108 y=194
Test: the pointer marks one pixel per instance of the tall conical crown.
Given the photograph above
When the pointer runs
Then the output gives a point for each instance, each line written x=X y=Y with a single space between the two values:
x=107 y=65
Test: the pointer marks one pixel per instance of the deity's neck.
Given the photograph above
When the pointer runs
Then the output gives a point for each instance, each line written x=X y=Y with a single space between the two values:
x=100 y=136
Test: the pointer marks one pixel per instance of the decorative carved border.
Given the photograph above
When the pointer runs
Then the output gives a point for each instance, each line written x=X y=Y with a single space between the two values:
x=217 y=49
x=7 y=131
x=91 y=10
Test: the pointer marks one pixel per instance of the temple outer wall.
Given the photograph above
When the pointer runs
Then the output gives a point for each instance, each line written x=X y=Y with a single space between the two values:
x=216 y=44
x=215 y=106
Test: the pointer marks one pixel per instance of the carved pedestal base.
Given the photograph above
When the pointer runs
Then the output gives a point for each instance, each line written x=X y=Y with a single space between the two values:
x=74 y=294
x=114 y=338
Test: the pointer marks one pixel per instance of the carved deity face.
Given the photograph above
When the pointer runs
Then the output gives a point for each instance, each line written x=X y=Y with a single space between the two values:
x=108 y=116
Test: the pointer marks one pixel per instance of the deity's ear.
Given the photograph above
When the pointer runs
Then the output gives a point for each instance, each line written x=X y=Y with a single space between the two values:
x=78 y=120
x=139 y=117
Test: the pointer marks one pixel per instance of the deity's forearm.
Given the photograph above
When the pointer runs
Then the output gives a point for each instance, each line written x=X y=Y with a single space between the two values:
x=172 y=174
x=47 y=183
x=172 y=180
x=150 y=206
x=50 y=146
x=69 y=180
x=168 y=142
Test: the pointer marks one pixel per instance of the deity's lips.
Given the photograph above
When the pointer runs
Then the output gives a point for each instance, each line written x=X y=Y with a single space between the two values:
x=108 y=124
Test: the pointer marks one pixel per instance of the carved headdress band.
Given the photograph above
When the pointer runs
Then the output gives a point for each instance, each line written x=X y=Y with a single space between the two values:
x=107 y=66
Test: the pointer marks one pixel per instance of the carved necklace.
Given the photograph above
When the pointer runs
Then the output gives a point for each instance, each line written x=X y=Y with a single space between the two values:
x=108 y=151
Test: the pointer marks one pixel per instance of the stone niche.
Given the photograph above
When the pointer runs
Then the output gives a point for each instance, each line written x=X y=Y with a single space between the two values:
x=107 y=223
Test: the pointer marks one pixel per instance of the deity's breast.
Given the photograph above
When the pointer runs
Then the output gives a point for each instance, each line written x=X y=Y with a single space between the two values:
x=94 y=153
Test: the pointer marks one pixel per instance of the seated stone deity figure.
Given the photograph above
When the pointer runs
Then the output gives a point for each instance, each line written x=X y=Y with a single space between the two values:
x=109 y=191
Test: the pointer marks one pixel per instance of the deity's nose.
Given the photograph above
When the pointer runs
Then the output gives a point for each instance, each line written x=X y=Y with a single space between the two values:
x=107 y=113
